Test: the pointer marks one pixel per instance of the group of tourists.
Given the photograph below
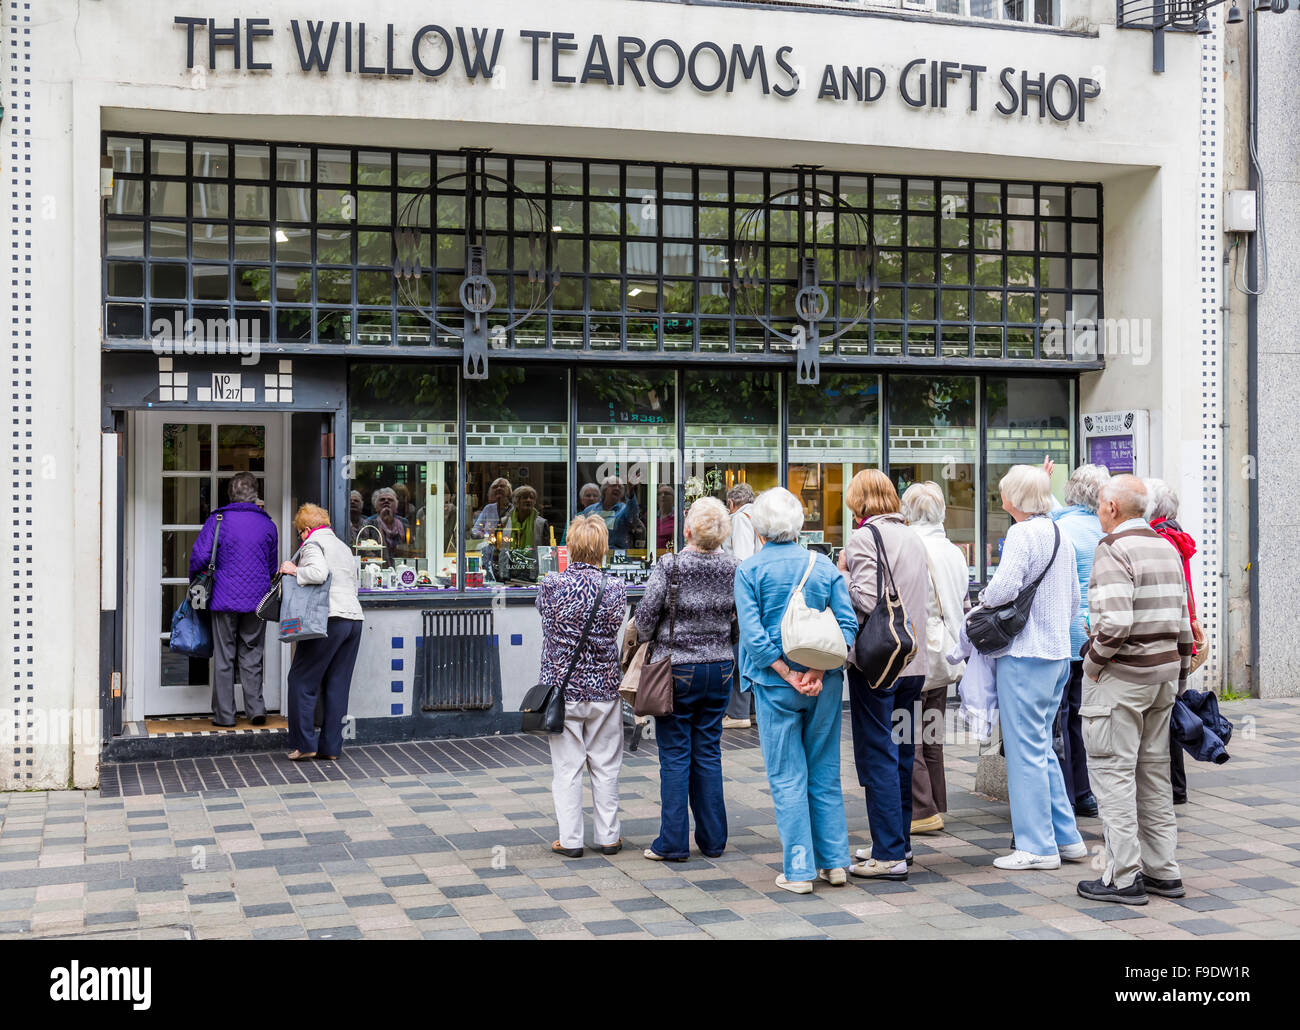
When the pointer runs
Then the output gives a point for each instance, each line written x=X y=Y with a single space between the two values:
x=1106 y=644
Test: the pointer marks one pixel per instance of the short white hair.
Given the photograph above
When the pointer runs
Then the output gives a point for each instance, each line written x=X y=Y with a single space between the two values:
x=1130 y=494
x=1027 y=488
x=777 y=515
x=709 y=523
x=1162 y=501
x=1084 y=487
x=922 y=504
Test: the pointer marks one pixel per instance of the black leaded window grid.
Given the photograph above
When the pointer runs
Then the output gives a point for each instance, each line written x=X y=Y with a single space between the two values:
x=311 y=278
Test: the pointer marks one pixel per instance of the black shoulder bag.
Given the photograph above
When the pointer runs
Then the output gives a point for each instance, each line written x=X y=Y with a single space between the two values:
x=200 y=589
x=886 y=643
x=992 y=629
x=542 y=708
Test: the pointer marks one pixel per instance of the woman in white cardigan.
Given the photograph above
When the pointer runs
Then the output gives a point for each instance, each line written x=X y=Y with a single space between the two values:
x=323 y=665
x=924 y=508
x=1032 y=672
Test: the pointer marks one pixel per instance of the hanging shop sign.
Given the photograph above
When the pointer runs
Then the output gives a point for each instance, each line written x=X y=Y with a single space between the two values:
x=431 y=52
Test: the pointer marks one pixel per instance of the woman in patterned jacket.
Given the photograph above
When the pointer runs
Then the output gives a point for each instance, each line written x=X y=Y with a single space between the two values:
x=593 y=723
x=696 y=629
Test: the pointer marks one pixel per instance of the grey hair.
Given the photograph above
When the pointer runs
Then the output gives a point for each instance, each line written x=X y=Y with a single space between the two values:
x=1129 y=494
x=708 y=523
x=922 y=504
x=777 y=515
x=1084 y=487
x=741 y=494
x=242 y=488
x=374 y=497
x=1162 y=501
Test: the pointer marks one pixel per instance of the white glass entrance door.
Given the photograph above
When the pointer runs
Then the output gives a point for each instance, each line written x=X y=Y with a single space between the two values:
x=184 y=464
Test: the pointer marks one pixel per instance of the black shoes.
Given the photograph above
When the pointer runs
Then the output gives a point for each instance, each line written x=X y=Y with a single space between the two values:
x=559 y=849
x=1180 y=799
x=1095 y=890
x=1164 y=888
x=258 y=720
x=1087 y=808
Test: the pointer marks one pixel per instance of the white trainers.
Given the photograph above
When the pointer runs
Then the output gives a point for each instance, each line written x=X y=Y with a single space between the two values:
x=794 y=886
x=729 y=723
x=1075 y=852
x=835 y=877
x=1024 y=860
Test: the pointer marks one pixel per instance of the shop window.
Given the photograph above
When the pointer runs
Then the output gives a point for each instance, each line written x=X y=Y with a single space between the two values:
x=403 y=519
x=934 y=436
x=627 y=468
x=518 y=497
x=833 y=433
x=732 y=431
x=1027 y=420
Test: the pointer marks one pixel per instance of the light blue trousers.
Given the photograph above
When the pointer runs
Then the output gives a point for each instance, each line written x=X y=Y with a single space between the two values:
x=1029 y=694
x=801 y=749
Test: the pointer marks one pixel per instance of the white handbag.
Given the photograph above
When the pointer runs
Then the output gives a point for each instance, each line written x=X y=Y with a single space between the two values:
x=809 y=638
x=939 y=643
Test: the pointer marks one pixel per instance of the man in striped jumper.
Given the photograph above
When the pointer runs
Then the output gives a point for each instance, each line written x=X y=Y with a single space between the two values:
x=1139 y=651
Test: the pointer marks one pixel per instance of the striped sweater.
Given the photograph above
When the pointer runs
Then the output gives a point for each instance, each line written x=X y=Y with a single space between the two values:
x=1137 y=601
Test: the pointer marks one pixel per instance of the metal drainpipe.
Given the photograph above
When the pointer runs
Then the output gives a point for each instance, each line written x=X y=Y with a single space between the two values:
x=1221 y=641
x=1252 y=357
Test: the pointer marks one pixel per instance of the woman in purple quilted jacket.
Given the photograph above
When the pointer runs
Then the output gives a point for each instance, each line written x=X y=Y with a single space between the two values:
x=247 y=558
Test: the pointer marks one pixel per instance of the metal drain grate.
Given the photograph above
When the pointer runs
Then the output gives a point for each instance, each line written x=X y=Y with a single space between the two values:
x=460 y=662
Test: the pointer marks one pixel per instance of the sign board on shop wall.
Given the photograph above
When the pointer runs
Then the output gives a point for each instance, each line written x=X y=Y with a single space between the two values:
x=1118 y=440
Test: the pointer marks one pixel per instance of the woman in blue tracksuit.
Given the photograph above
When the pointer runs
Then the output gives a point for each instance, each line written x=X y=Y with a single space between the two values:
x=798 y=708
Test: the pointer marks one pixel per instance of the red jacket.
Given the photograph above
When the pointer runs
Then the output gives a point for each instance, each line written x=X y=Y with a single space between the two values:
x=1186 y=547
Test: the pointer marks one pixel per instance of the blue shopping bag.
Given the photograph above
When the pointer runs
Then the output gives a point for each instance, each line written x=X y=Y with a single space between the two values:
x=191 y=632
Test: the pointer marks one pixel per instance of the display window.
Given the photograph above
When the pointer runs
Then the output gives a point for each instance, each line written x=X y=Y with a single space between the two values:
x=732 y=424
x=833 y=432
x=1026 y=421
x=934 y=436
x=403 y=511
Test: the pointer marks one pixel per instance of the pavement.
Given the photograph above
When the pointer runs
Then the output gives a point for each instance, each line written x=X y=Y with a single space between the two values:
x=451 y=840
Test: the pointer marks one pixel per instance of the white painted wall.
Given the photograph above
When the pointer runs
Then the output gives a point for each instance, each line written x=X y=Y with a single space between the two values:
x=108 y=64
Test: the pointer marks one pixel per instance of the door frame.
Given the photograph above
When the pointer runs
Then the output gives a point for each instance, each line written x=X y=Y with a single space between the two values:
x=142 y=599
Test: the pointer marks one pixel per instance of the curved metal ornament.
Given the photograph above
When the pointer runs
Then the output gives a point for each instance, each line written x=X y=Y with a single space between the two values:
x=477 y=293
x=856 y=248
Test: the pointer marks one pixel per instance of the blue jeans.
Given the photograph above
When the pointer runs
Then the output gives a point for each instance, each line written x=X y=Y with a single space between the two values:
x=801 y=749
x=323 y=666
x=690 y=761
x=1029 y=695
x=884 y=748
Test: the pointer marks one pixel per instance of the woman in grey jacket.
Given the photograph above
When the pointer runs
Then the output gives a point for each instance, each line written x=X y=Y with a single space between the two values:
x=884 y=714
x=324 y=664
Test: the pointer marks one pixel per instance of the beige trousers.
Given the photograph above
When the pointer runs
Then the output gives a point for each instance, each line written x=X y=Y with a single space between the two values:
x=1126 y=733
x=592 y=738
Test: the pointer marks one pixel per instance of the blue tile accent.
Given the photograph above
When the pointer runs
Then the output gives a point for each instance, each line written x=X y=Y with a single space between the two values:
x=496 y=639
x=397 y=643
x=419 y=641
x=397 y=665
x=397 y=709
x=397 y=686
x=516 y=639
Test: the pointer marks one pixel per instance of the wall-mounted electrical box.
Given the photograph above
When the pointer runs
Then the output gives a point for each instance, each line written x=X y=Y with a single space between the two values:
x=1239 y=211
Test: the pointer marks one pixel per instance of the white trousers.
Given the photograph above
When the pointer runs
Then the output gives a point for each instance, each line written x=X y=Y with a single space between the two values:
x=592 y=737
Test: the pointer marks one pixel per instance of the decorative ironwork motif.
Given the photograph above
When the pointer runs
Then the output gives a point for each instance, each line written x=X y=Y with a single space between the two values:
x=477 y=292
x=829 y=228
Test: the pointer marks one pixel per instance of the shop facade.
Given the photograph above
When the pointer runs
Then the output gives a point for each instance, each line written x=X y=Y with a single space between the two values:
x=457 y=308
